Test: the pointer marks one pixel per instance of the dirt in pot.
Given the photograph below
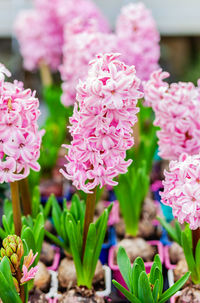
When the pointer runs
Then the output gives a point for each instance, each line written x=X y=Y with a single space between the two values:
x=47 y=254
x=67 y=274
x=42 y=278
x=136 y=247
x=36 y=296
x=175 y=253
x=180 y=270
x=190 y=294
x=80 y=296
x=146 y=228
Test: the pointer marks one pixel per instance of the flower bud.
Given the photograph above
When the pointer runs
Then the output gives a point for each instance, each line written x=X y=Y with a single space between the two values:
x=14 y=260
x=16 y=284
x=9 y=251
x=13 y=249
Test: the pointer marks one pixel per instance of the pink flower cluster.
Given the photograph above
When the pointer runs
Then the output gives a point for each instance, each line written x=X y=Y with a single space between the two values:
x=40 y=37
x=101 y=125
x=29 y=274
x=138 y=39
x=177 y=111
x=19 y=136
x=182 y=189
x=82 y=42
x=40 y=30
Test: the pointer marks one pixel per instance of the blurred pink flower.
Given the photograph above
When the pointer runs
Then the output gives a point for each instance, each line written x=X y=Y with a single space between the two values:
x=138 y=39
x=20 y=138
x=177 y=111
x=82 y=42
x=182 y=189
x=40 y=30
x=101 y=125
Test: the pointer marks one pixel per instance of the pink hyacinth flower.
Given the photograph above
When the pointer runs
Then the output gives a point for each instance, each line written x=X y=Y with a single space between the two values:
x=27 y=274
x=20 y=138
x=177 y=112
x=182 y=189
x=82 y=42
x=101 y=125
x=40 y=31
x=138 y=39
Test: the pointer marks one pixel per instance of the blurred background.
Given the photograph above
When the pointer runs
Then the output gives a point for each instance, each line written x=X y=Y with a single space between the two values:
x=178 y=22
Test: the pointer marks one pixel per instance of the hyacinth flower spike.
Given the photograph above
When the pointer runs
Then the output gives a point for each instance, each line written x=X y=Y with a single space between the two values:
x=16 y=270
x=101 y=128
x=20 y=141
x=181 y=192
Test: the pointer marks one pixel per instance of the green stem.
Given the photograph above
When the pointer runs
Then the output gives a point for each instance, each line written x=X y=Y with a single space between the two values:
x=22 y=290
x=89 y=216
x=16 y=207
x=25 y=196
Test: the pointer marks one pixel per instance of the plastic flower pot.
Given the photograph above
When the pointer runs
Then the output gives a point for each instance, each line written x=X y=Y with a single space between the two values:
x=112 y=240
x=53 y=291
x=170 y=276
x=114 y=217
x=104 y=293
x=56 y=260
x=115 y=268
x=168 y=264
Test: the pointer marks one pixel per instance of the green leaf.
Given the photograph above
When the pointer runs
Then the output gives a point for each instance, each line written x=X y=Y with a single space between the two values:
x=39 y=224
x=6 y=225
x=189 y=256
x=197 y=257
x=35 y=201
x=56 y=214
x=144 y=290
x=3 y=234
x=156 y=290
x=136 y=271
x=89 y=252
x=124 y=266
x=170 y=230
x=131 y=297
x=178 y=232
x=172 y=290
x=8 y=292
x=47 y=207
x=74 y=248
x=27 y=235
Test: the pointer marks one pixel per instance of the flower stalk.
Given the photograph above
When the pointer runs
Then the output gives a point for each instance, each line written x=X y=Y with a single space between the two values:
x=45 y=74
x=195 y=239
x=16 y=207
x=25 y=196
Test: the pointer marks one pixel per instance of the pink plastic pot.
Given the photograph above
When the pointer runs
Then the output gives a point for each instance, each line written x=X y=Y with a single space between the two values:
x=56 y=260
x=114 y=214
x=115 y=268
x=168 y=264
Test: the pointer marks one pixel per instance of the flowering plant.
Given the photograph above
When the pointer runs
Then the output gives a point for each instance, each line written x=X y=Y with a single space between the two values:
x=138 y=39
x=176 y=108
x=101 y=125
x=181 y=192
x=16 y=270
x=143 y=287
x=20 y=141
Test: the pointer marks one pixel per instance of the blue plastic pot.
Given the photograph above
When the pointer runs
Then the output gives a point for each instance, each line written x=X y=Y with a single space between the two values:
x=112 y=240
